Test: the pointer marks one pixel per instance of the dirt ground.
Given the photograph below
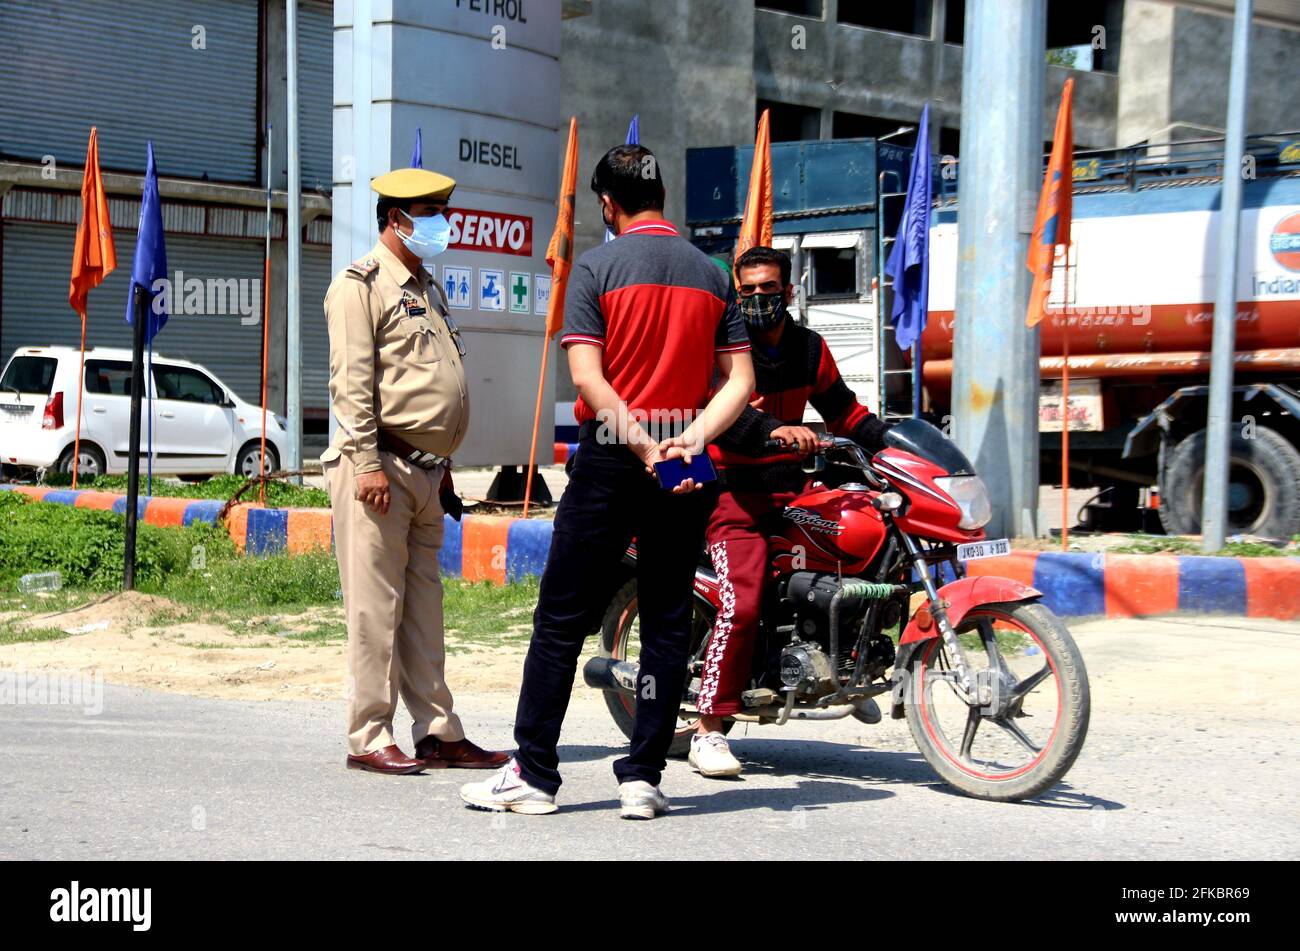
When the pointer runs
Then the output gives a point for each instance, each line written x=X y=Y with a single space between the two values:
x=1207 y=662
x=112 y=636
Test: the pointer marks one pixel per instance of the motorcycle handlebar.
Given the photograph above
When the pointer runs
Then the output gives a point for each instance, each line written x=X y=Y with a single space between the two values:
x=824 y=443
x=827 y=443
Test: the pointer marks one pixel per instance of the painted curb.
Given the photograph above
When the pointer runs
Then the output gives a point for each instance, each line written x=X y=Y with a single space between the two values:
x=501 y=549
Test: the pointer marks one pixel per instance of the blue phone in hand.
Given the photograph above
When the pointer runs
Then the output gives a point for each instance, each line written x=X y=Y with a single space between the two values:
x=673 y=472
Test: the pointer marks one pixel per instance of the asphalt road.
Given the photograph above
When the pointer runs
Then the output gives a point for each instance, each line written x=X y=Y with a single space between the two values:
x=1191 y=755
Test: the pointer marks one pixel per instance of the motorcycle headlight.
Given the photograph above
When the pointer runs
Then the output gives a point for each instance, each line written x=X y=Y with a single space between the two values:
x=971 y=497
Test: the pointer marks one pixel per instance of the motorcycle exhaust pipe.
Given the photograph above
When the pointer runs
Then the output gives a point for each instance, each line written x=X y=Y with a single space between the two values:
x=614 y=676
x=620 y=676
x=862 y=709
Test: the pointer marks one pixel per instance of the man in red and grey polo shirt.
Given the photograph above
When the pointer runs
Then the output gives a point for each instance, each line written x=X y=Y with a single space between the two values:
x=647 y=320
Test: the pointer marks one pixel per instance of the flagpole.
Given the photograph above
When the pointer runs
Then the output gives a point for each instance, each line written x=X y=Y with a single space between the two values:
x=916 y=379
x=148 y=402
x=266 y=312
x=537 y=423
x=559 y=255
x=1065 y=408
x=133 y=447
x=81 y=393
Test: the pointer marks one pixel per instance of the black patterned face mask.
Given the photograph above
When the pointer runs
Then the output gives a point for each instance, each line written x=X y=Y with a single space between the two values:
x=762 y=311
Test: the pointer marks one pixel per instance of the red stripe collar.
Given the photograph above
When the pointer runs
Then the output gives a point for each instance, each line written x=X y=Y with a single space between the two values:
x=659 y=226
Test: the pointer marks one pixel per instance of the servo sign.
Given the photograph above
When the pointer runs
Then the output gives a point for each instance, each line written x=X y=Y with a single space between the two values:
x=494 y=232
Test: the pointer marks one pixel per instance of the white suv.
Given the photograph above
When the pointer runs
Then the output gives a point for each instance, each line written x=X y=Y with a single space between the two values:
x=199 y=426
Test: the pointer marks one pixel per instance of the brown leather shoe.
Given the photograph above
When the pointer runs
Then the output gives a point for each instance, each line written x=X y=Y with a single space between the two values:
x=388 y=760
x=458 y=754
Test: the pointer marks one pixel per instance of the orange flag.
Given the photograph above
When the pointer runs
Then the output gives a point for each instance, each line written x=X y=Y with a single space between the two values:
x=559 y=253
x=93 y=259
x=756 y=227
x=94 y=256
x=1052 y=224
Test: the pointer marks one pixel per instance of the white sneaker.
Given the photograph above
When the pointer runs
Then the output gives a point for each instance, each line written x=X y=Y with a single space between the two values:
x=711 y=756
x=507 y=791
x=639 y=800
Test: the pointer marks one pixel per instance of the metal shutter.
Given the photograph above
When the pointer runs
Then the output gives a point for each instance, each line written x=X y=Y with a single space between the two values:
x=131 y=70
x=315 y=335
x=36 y=263
x=316 y=95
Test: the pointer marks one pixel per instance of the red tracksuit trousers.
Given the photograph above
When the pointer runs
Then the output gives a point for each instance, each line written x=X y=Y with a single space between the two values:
x=738 y=545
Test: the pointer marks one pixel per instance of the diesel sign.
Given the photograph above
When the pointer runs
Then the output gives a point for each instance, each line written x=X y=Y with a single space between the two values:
x=495 y=154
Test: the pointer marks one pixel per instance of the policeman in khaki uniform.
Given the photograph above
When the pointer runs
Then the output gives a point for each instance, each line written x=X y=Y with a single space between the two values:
x=399 y=395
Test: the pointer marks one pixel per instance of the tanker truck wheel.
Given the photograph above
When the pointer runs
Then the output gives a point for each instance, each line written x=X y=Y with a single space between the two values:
x=1263 y=485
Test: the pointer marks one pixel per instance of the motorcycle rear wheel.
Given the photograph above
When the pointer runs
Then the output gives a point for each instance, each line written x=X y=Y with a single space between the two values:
x=1063 y=707
x=620 y=639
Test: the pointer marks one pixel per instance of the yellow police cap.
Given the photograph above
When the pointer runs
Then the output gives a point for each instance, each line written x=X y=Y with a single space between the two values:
x=414 y=183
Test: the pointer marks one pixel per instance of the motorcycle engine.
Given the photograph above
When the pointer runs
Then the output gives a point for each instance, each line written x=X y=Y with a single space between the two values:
x=804 y=662
x=806 y=670
x=809 y=593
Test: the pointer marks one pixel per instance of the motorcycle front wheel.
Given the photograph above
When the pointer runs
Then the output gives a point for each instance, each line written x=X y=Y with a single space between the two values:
x=1030 y=726
x=620 y=638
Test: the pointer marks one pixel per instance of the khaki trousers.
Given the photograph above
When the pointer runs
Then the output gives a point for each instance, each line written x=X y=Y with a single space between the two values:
x=392 y=595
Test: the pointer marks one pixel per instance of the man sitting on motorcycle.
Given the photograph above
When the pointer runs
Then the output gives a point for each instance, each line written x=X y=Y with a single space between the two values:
x=793 y=367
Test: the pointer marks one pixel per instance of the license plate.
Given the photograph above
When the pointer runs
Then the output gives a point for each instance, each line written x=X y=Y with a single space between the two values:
x=993 y=548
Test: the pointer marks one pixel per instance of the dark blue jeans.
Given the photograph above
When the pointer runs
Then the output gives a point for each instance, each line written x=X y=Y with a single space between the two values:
x=609 y=500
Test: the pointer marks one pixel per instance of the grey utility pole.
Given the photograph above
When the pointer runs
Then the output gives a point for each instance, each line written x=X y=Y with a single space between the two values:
x=1219 y=426
x=293 y=336
x=995 y=356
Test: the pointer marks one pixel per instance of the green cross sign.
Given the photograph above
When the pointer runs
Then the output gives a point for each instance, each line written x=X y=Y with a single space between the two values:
x=519 y=292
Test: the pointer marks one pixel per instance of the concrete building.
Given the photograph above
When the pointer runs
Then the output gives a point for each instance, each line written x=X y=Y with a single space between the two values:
x=200 y=78
x=699 y=73
x=203 y=77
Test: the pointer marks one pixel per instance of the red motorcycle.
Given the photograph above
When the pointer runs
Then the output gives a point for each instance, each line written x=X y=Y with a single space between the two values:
x=992 y=685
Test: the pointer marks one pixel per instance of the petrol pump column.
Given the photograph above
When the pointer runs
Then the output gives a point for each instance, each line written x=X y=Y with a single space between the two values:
x=489 y=116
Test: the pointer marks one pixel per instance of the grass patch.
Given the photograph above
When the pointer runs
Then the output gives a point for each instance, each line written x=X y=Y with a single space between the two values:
x=199 y=569
x=12 y=634
x=1157 y=545
x=322 y=633
x=483 y=615
x=1166 y=545
x=278 y=494
x=86 y=546
x=235 y=584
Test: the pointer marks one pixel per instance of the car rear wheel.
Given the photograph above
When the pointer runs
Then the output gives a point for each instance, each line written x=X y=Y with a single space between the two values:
x=248 y=462
x=90 y=465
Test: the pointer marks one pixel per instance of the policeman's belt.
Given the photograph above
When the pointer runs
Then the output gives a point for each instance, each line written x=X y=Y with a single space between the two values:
x=416 y=457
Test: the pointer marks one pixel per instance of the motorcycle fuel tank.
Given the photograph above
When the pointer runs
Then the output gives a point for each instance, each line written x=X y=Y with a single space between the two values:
x=830 y=529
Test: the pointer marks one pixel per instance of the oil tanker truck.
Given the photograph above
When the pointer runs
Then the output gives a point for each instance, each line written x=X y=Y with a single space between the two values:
x=1135 y=295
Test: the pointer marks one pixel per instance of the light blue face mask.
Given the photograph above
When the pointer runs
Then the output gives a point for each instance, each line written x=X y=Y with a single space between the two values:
x=429 y=236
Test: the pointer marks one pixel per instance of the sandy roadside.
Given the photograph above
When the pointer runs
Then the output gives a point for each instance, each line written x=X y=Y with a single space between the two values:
x=112 y=637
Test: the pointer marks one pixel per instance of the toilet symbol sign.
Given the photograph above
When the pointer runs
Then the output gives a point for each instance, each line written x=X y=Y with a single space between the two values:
x=456 y=282
x=491 y=289
x=542 y=294
x=521 y=292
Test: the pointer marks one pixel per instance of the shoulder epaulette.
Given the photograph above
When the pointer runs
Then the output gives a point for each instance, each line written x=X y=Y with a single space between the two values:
x=362 y=269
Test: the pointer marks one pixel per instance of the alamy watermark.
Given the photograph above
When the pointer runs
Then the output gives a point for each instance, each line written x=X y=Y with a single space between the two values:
x=42 y=688
x=660 y=424
x=183 y=296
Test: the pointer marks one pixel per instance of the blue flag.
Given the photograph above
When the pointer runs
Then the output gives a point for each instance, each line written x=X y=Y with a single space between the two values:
x=909 y=261
x=417 y=153
x=150 y=263
x=633 y=138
